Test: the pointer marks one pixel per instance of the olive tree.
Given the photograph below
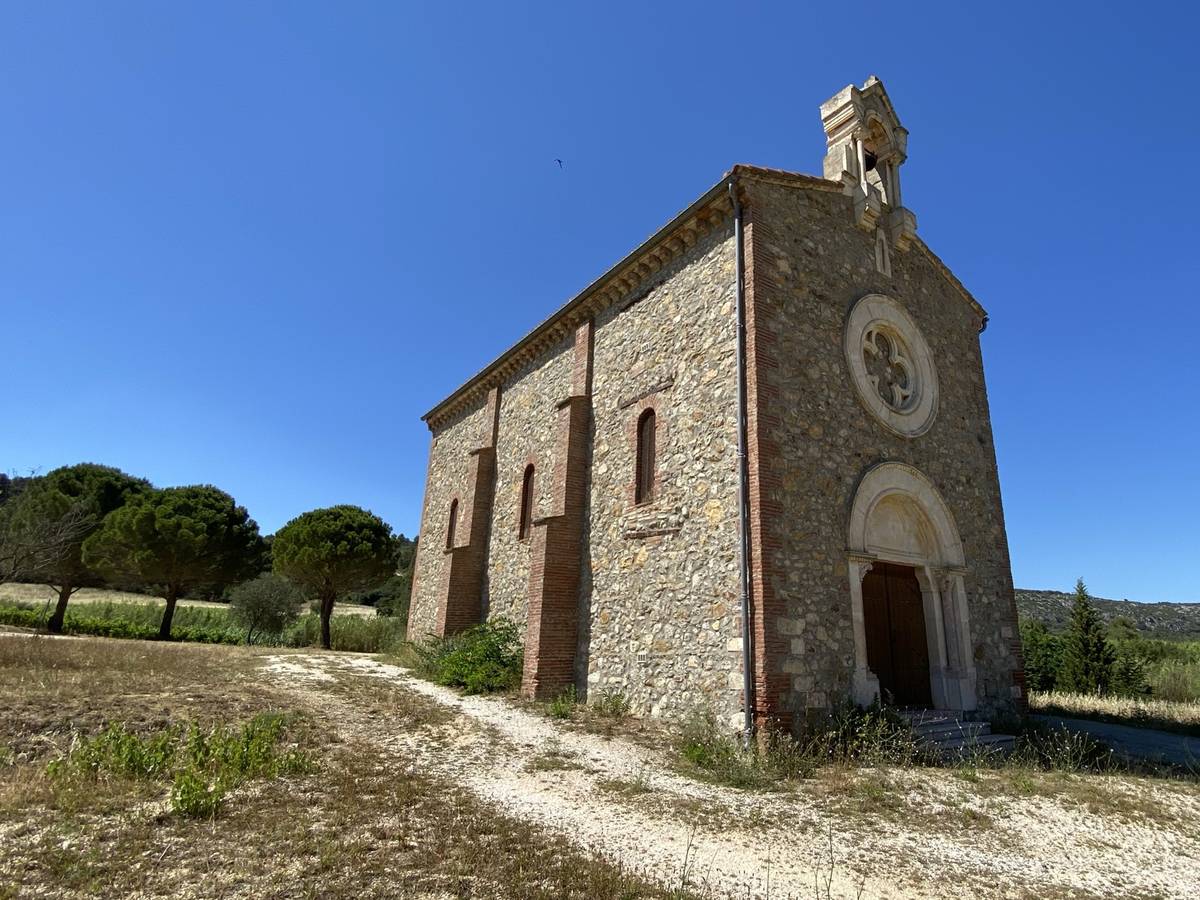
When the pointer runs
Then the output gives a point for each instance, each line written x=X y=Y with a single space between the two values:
x=80 y=495
x=267 y=604
x=174 y=540
x=330 y=552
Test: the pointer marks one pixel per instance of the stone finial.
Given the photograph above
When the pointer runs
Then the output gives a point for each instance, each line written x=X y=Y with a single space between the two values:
x=866 y=145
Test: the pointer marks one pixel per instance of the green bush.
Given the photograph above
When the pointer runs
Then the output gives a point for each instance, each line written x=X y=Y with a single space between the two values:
x=266 y=604
x=480 y=660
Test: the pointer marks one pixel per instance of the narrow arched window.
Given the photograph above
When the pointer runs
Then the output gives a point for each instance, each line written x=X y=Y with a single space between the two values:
x=525 y=518
x=452 y=524
x=644 y=486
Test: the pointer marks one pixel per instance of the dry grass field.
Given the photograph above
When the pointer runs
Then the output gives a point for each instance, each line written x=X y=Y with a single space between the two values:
x=364 y=823
x=414 y=791
x=1132 y=710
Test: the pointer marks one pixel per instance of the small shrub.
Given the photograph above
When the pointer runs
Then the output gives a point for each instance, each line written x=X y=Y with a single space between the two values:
x=563 y=706
x=194 y=795
x=483 y=659
x=266 y=604
x=874 y=736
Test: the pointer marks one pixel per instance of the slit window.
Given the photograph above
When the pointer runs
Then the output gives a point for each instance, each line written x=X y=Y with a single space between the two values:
x=525 y=518
x=644 y=485
x=451 y=524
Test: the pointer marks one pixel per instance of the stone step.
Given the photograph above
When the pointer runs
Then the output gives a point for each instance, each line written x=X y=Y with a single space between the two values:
x=925 y=716
x=941 y=730
x=989 y=743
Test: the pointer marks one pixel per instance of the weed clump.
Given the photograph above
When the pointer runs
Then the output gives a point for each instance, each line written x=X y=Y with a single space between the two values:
x=875 y=736
x=562 y=706
x=611 y=705
x=849 y=736
x=713 y=753
x=483 y=659
x=202 y=764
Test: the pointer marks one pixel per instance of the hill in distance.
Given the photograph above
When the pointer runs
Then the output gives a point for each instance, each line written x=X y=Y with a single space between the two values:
x=1166 y=620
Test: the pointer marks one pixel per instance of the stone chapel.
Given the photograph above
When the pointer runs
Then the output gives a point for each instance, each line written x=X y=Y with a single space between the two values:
x=749 y=469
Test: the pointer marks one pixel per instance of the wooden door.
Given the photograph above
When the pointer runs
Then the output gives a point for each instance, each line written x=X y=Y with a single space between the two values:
x=897 y=650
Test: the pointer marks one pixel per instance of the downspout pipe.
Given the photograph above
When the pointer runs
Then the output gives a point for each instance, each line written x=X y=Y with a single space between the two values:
x=743 y=472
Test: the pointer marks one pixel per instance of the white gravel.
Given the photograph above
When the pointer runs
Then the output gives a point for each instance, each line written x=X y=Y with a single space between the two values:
x=750 y=845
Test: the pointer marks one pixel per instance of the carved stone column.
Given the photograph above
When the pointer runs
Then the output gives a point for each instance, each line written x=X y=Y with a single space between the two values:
x=865 y=684
x=942 y=696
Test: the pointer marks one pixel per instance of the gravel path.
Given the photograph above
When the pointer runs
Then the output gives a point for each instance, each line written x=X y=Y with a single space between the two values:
x=932 y=834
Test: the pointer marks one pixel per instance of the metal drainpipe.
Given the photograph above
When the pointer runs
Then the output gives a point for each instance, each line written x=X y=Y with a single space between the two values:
x=743 y=473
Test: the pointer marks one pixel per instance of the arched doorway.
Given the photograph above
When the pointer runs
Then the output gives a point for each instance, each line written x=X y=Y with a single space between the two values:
x=908 y=601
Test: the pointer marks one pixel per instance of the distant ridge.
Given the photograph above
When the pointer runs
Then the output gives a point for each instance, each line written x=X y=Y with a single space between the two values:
x=1053 y=608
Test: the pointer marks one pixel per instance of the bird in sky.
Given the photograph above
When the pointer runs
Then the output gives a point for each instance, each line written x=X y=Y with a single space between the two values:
x=559 y=161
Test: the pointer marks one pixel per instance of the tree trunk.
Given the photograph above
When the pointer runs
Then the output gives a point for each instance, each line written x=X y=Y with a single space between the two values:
x=326 y=612
x=164 y=630
x=55 y=625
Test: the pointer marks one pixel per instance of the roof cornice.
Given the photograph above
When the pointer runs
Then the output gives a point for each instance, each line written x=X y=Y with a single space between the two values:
x=669 y=242
x=704 y=215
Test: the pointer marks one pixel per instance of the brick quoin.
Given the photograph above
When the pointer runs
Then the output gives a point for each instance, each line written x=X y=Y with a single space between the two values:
x=460 y=599
x=771 y=683
x=557 y=542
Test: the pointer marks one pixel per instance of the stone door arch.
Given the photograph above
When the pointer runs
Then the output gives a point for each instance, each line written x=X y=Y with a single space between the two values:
x=899 y=517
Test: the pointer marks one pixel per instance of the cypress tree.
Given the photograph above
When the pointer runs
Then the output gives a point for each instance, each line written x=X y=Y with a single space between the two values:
x=1088 y=658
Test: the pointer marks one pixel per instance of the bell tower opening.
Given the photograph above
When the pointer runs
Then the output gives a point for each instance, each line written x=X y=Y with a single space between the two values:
x=866 y=145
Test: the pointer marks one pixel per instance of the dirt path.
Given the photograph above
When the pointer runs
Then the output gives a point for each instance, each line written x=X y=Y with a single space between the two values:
x=883 y=833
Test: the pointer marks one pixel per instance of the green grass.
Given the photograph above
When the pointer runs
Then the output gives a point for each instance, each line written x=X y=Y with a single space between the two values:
x=208 y=625
x=203 y=765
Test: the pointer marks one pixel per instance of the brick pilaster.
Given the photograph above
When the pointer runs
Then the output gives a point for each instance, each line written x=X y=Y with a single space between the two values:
x=556 y=552
x=771 y=683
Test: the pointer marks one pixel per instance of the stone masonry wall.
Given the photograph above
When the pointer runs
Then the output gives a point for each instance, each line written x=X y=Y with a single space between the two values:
x=661 y=603
x=449 y=477
x=818 y=264
x=528 y=420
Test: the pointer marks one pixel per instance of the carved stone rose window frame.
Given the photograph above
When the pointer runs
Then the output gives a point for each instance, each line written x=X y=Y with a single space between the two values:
x=891 y=365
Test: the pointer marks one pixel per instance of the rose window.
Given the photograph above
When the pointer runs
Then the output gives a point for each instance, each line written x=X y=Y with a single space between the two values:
x=888 y=368
x=891 y=365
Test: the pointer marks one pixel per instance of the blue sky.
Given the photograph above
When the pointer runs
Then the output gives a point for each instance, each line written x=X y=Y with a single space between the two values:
x=251 y=243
